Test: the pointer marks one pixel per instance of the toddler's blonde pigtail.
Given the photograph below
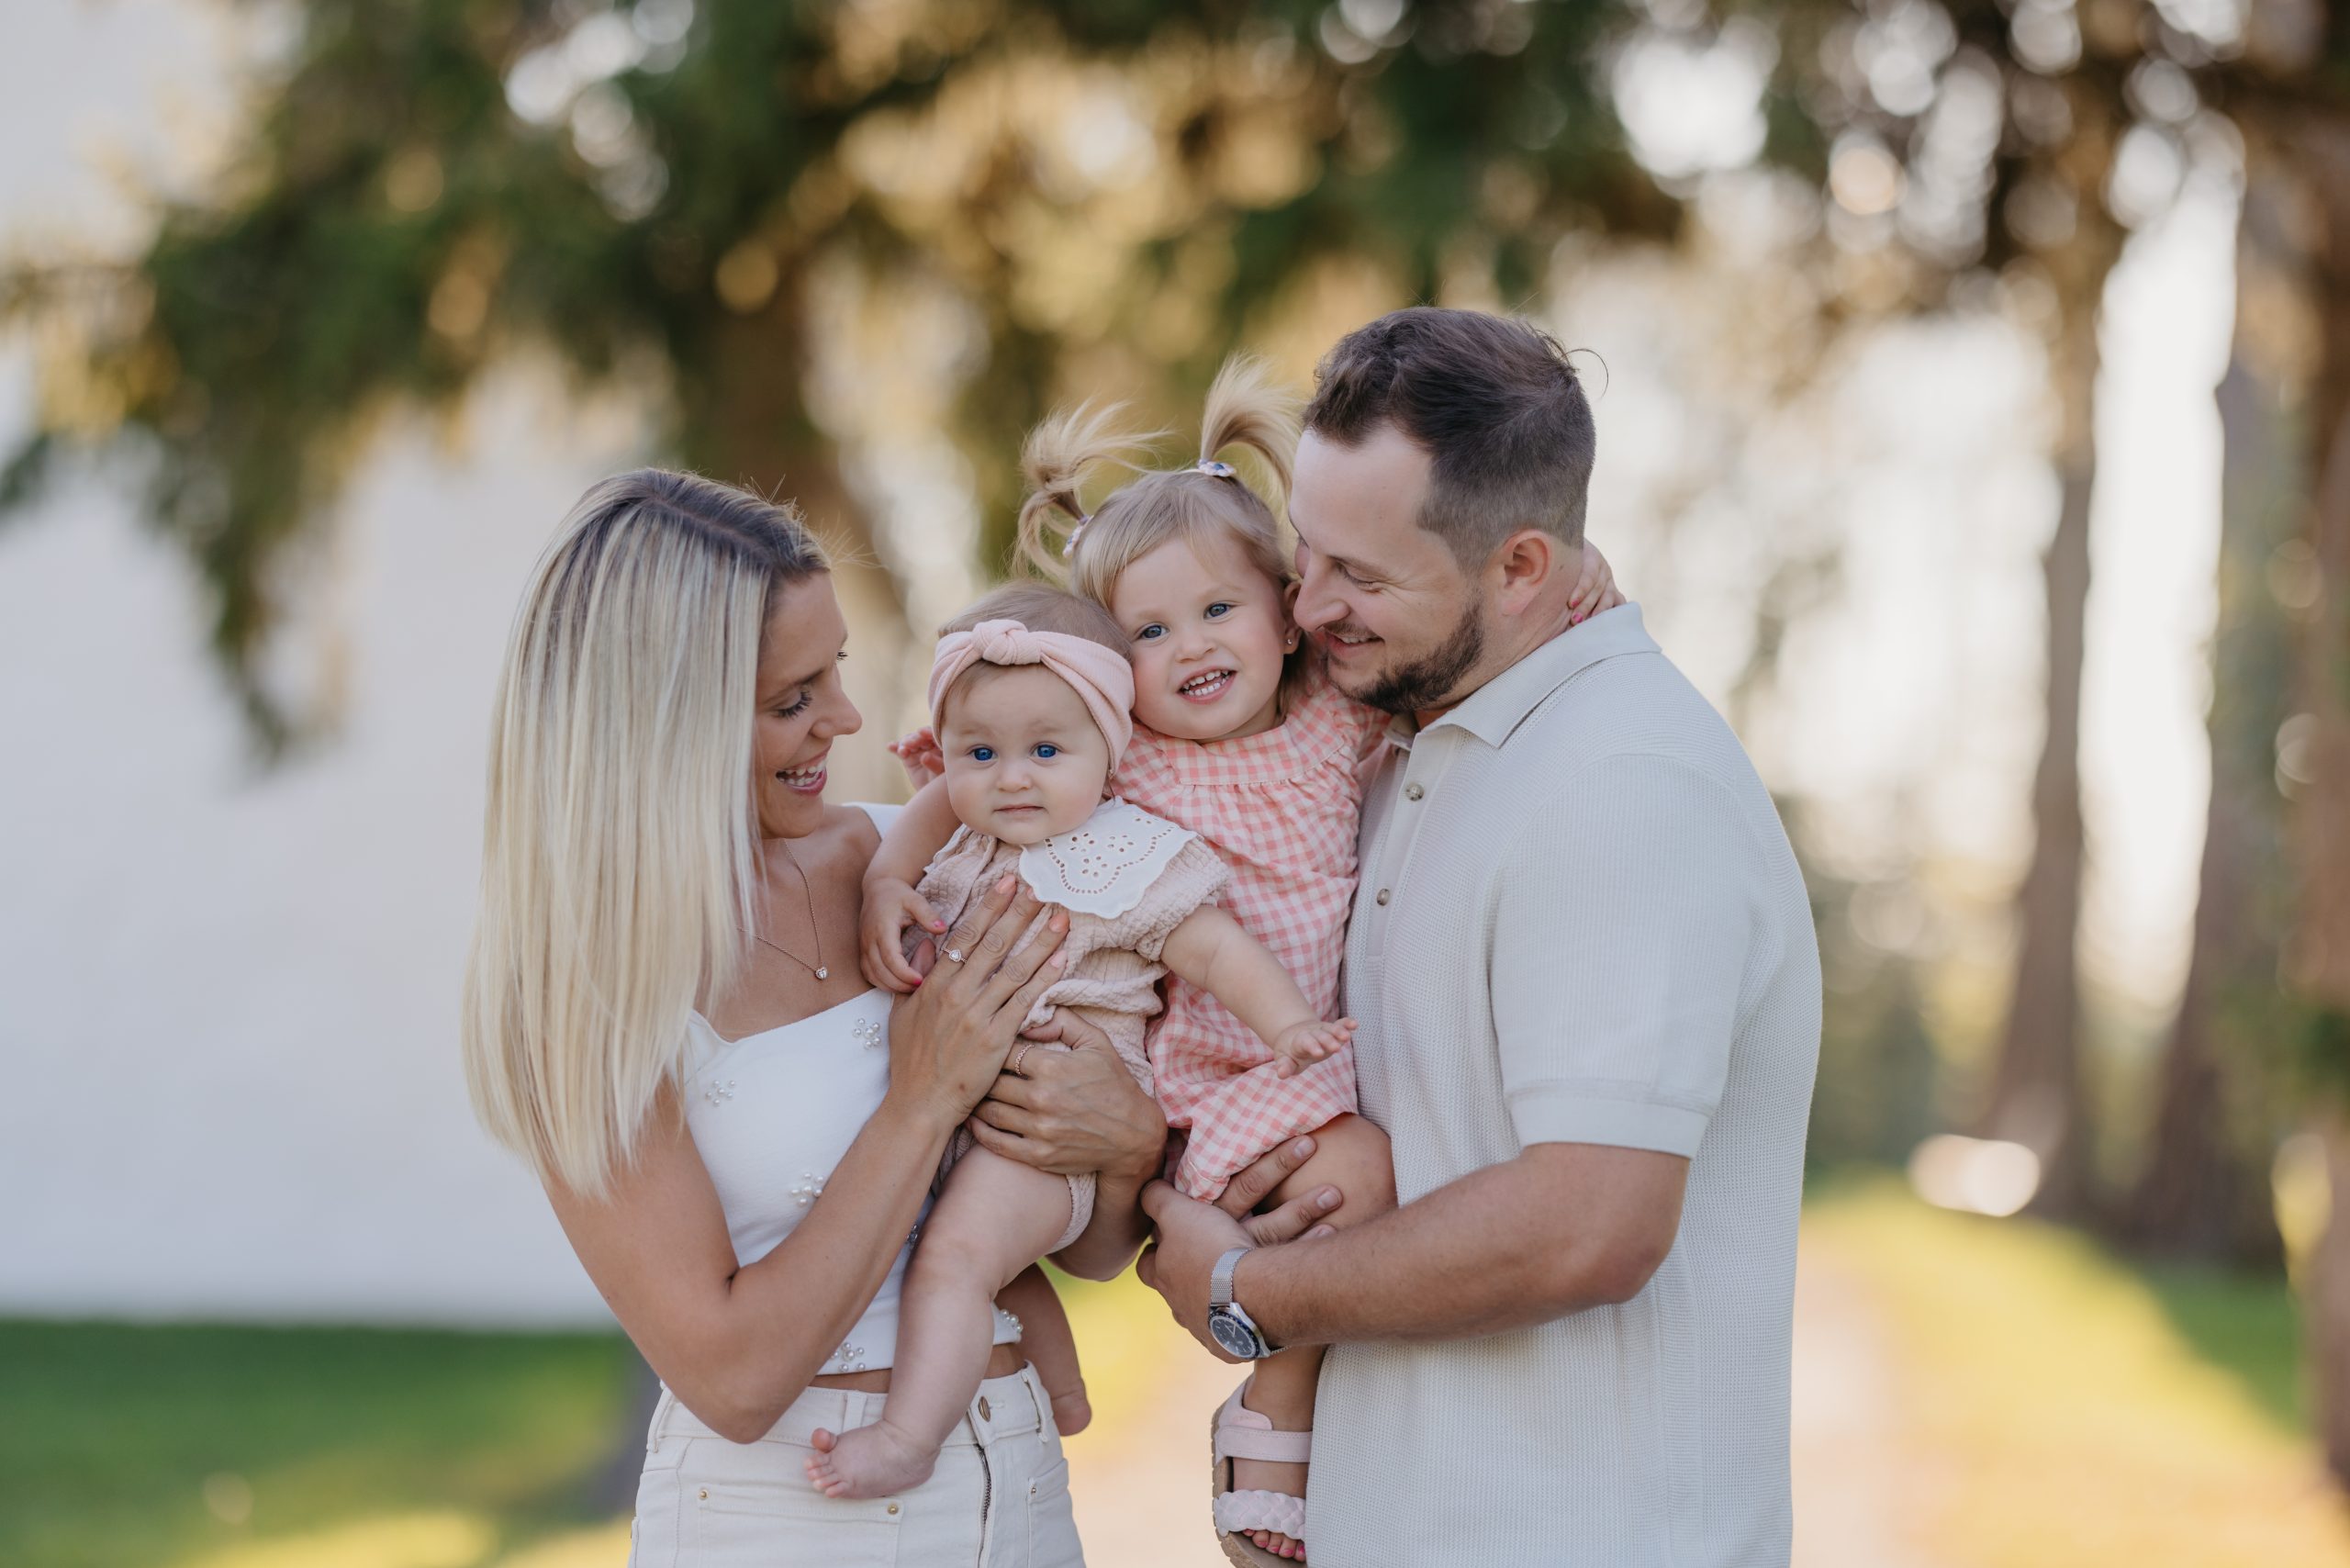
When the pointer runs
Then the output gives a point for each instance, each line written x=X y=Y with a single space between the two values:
x=1246 y=408
x=1057 y=457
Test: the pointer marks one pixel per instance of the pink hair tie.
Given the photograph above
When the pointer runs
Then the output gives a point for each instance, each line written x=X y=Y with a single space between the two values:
x=1100 y=676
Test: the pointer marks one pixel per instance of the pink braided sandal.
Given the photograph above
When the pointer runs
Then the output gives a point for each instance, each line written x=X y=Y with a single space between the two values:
x=1239 y=1432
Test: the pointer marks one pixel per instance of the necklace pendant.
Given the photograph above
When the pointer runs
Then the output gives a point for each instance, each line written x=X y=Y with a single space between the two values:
x=824 y=974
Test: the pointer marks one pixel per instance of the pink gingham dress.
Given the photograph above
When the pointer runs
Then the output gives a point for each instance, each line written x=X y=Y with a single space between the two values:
x=1281 y=808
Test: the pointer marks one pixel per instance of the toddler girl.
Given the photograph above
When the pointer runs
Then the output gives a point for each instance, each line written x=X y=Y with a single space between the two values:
x=1242 y=739
x=1030 y=695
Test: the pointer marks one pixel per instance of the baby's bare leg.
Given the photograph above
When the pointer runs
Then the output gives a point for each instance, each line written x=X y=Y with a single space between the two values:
x=1051 y=1347
x=1351 y=1155
x=995 y=1217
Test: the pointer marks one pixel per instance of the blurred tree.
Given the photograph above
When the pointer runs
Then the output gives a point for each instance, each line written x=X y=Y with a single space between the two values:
x=1967 y=141
x=2203 y=1191
x=2282 y=74
x=653 y=194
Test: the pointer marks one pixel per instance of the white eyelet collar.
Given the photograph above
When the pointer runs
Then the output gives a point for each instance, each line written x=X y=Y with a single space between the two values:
x=1104 y=865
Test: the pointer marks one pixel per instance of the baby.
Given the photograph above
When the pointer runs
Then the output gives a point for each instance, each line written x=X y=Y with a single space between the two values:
x=1031 y=698
x=1241 y=738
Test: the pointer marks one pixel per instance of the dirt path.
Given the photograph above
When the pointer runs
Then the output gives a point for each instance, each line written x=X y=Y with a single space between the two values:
x=1140 y=1477
x=1857 y=1490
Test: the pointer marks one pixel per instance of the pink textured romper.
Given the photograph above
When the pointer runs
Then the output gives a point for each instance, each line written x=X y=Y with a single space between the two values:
x=1283 y=808
x=1114 y=955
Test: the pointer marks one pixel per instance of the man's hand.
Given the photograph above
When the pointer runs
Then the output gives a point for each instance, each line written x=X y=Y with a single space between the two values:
x=1191 y=1237
x=1071 y=1111
x=1193 y=1234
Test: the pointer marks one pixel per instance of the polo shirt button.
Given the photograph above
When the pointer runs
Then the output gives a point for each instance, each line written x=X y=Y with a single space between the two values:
x=1413 y=791
x=1383 y=896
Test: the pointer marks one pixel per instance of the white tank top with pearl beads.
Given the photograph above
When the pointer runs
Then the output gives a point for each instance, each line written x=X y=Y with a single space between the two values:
x=773 y=1112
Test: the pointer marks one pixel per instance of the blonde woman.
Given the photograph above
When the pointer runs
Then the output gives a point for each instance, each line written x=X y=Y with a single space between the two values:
x=665 y=1016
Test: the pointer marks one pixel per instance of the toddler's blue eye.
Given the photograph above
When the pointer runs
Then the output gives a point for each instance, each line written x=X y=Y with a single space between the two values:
x=983 y=753
x=1150 y=632
x=1046 y=751
x=1218 y=610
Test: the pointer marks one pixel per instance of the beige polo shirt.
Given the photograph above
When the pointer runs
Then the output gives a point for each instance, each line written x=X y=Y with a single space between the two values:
x=1580 y=922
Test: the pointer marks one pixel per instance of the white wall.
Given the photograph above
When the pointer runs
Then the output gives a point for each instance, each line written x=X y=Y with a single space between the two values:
x=228 y=997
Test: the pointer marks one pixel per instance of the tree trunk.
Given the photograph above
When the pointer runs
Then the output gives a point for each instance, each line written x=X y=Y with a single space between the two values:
x=748 y=423
x=2204 y=1192
x=2318 y=957
x=2036 y=1094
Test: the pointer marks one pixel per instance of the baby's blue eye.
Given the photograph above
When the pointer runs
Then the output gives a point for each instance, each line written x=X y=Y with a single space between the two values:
x=1150 y=632
x=983 y=753
x=1218 y=610
x=1046 y=751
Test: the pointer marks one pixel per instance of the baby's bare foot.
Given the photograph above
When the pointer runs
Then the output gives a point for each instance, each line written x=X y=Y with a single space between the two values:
x=878 y=1461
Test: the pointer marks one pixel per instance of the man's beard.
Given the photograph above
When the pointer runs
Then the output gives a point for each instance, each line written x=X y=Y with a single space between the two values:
x=1429 y=681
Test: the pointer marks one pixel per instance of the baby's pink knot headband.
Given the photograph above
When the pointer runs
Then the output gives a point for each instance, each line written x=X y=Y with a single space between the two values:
x=1100 y=676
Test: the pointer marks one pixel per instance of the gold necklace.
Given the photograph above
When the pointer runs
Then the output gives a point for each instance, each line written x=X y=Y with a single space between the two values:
x=817 y=968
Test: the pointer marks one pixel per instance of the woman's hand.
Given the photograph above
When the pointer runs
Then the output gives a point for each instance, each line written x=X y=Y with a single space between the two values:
x=1596 y=589
x=1071 y=1111
x=891 y=906
x=947 y=1041
x=919 y=751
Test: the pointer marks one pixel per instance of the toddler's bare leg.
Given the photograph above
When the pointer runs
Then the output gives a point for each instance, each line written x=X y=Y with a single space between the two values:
x=1050 y=1345
x=1351 y=1155
x=995 y=1217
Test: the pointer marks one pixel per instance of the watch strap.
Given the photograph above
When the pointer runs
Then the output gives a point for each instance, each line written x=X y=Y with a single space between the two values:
x=1220 y=1278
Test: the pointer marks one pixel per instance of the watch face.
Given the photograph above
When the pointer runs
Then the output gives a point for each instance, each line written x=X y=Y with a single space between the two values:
x=1232 y=1336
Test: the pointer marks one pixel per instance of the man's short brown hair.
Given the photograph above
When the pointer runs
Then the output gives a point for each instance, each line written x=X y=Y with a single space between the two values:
x=1493 y=403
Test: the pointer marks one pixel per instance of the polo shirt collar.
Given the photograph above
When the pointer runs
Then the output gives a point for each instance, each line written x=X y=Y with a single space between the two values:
x=1496 y=709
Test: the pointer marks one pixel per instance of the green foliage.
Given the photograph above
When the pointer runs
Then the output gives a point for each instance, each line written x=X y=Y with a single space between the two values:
x=427 y=185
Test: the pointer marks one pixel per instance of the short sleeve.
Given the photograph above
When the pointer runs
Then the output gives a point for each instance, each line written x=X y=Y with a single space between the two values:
x=1195 y=877
x=1621 y=942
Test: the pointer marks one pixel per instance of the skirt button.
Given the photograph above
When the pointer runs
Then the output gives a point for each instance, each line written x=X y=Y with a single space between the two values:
x=984 y=1414
x=893 y=1507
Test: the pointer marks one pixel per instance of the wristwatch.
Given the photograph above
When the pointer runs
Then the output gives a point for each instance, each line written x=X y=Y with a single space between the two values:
x=1227 y=1324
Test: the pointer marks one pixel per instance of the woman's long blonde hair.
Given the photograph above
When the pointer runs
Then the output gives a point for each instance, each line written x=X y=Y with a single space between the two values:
x=1245 y=409
x=618 y=850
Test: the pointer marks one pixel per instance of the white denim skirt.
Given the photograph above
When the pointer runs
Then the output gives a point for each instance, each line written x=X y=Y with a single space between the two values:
x=997 y=1499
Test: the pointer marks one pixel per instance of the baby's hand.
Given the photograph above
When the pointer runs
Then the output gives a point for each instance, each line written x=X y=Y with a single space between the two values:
x=1595 y=589
x=889 y=907
x=919 y=751
x=1301 y=1045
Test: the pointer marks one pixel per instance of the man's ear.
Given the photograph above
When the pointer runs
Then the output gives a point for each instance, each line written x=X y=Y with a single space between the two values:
x=1524 y=564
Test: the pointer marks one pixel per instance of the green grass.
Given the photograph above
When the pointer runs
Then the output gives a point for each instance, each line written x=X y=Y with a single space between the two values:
x=108 y=1434
x=2248 y=1326
x=2046 y=1386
